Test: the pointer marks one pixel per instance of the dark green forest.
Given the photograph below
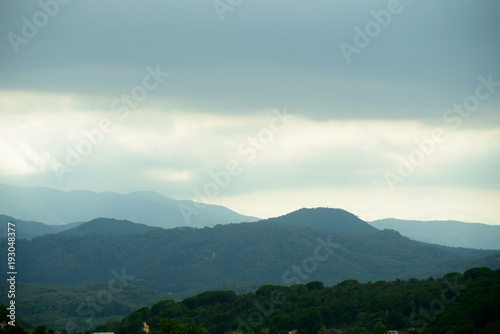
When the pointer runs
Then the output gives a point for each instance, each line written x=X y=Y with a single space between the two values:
x=56 y=305
x=60 y=275
x=185 y=259
x=453 y=304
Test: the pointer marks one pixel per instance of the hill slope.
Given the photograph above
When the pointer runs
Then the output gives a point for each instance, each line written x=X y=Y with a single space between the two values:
x=326 y=219
x=108 y=226
x=29 y=229
x=57 y=207
x=448 y=233
x=469 y=303
x=185 y=259
x=59 y=306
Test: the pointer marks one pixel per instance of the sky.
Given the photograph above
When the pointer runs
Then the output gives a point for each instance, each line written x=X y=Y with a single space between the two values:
x=382 y=108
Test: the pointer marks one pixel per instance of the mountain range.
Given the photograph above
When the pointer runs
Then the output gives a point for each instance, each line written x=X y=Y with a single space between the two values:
x=296 y=248
x=30 y=229
x=237 y=252
x=184 y=258
x=40 y=211
x=449 y=233
x=54 y=207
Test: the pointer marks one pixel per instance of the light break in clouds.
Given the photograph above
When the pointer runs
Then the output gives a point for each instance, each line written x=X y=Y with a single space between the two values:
x=262 y=100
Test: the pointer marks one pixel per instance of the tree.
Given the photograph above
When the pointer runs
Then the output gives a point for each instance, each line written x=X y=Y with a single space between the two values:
x=315 y=285
x=40 y=330
x=281 y=321
x=395 y=320
x=309 y=319
x=356 y=330
x=346 y=317
x=172 y=326
x=379 y=328
x=322 y=330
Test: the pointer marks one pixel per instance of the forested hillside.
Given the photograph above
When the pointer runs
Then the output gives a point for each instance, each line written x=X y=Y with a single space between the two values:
x=181 y=262
x=454 y=303
x=183 y=259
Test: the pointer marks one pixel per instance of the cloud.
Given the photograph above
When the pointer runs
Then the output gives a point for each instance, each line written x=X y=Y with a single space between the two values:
x=181 y=149
x=168 y=175
x=264 y=55
x=353 y=121
x=18 y=158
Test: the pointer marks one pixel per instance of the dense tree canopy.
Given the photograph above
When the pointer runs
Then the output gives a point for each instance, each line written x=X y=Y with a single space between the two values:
x=454 y=303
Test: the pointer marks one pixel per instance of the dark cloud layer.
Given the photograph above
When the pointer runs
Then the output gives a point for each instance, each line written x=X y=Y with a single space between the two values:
x=365 y=80
x=264 y=54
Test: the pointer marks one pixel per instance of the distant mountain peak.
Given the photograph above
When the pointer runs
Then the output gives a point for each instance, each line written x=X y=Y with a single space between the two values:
x=52 y=206
x=108 y=226
x=326 y=210
x=445 y=232
x=327 y=219
x=150 y=196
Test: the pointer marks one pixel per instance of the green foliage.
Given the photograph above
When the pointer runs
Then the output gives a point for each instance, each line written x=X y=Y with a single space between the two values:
x=209 y=298
x=186 y=259
x=314 y=285
x=172 y=326
x=40 y=329
x=379 y=328
x=477 y=272
x=349 y=305
x=53 y=305
x=322 y=330
x=8 y=329
x=346 y=318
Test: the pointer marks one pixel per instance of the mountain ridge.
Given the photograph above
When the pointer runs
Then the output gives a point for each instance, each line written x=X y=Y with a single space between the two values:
x=327 y=219
x=30 y=229
x=55 y=207
x=186 y=258
x=450 y=233
x=108 y=226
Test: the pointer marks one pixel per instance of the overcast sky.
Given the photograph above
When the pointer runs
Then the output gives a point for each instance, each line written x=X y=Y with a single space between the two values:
x=382 y=108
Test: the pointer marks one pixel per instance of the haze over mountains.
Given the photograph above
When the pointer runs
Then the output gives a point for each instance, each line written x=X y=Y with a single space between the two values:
x=321 y=244
x=449 y=233
x=56 y=207
x=29 y=229
x=40 y=211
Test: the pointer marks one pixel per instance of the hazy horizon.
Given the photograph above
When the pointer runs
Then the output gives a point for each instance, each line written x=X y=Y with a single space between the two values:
x=266 y=217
